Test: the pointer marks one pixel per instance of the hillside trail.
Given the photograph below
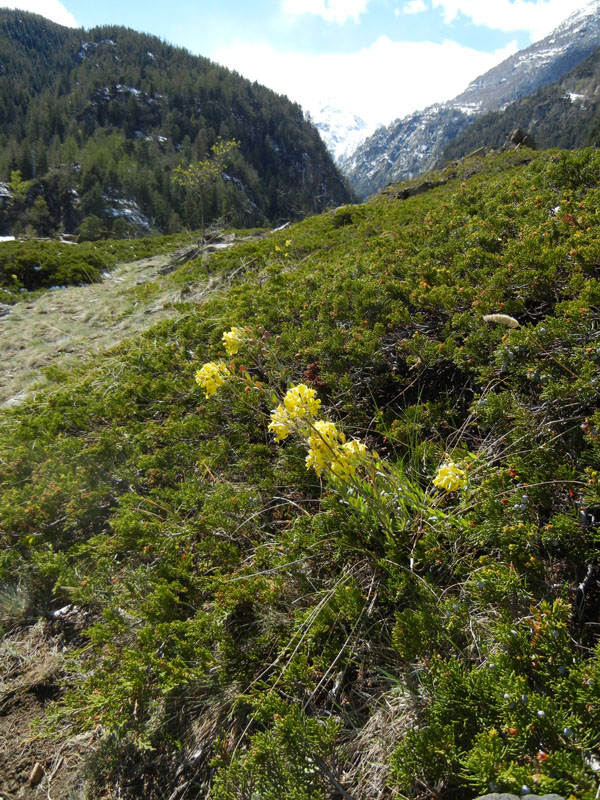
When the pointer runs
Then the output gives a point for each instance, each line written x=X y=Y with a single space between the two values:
x=64 y=326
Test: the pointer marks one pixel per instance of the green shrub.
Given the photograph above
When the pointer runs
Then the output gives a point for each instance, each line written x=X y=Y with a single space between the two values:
x=226 y=576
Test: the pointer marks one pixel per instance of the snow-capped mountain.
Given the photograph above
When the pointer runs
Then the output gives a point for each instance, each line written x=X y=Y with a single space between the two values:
x=563 y=114
x=341 y=131
x=410 y=146
x=541 y=63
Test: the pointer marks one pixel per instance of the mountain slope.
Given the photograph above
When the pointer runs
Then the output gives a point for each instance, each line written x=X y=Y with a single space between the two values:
x=95 y=122
x=563 y=114
x=341 y=131
x=411 y=146
x=541 y=63
x=405 y=149
x=334 y=531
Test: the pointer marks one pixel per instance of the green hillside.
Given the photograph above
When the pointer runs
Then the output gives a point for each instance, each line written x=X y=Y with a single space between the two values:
x=348 y=550
x=93 y=123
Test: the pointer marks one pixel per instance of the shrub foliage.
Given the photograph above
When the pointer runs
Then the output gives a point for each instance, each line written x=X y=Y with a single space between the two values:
x=424 y=627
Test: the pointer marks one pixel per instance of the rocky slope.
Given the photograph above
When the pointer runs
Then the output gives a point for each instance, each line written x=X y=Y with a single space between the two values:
x=562 y=114
x=410 y=146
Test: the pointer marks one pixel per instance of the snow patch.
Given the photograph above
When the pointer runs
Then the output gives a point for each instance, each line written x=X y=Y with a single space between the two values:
x=342 y=131
x=129 y=210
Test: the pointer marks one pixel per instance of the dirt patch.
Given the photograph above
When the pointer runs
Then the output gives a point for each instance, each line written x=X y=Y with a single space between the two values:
x=33 y=766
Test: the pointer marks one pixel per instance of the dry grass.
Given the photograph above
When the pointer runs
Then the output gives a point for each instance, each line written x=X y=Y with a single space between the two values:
x=370 y=750
x=31 y=669
x=65 y=326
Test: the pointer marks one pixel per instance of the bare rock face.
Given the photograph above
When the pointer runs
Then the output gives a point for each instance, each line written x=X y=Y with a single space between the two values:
x=520 y=138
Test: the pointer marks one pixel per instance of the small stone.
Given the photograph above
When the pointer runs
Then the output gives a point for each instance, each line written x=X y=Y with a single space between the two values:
x=509 y=796
x=36 y=775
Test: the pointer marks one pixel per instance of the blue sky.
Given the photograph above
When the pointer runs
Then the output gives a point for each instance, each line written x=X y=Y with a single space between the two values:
x=380 y=59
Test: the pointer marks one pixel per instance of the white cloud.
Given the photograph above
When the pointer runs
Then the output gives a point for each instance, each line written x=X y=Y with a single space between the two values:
x=51 y=9
x=379 y=83
x=538 y=17
x=331 y=10
x=414 y=7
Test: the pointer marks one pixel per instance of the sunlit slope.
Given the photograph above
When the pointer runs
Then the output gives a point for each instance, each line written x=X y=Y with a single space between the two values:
x=421 y=623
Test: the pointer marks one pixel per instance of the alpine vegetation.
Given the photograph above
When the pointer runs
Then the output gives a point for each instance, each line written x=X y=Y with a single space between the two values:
x=333 y=530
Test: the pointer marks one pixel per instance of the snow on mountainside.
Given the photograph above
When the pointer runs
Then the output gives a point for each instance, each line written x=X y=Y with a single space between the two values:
x=563 y=114
x=341 y=131
x=410 y=146
x=541 y=63
x=406 y=149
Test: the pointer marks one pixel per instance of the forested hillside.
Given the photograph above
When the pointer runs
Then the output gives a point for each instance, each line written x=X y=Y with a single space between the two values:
x=92 y=124
x=332 y=532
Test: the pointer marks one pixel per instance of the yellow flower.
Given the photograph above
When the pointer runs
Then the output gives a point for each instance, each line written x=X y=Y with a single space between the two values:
x=450 y=477
x=211 y=376
x=300 y=402
x=280 y=423
x=347 y=459
x=323 y=444
x=233 y=340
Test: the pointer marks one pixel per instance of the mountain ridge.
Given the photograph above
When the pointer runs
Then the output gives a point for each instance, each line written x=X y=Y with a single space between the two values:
x=95 y=121
x=412 y=145
x=562 y=114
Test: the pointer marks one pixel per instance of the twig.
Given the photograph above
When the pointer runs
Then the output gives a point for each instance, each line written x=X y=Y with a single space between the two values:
x=324 y=767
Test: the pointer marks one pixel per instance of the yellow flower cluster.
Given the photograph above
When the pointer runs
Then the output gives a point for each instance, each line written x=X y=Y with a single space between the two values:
x=279 y=249
x=280 y=423
x=327 y=446
x=323 y=444
x=233 y=340
x=301 y=402
x=211 y=376
x=347 y=459
x=450 y=477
